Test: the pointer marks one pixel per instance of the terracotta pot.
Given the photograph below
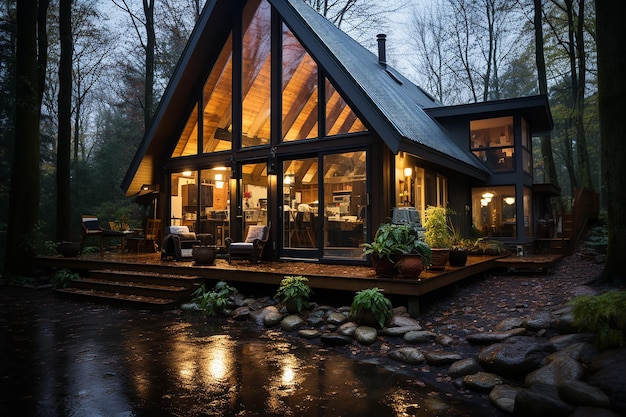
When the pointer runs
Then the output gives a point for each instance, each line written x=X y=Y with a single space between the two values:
x=383 y=266
x=203 y=255
x=439 y=258
x=410 y=265
x=69 y=249
x=458 y=257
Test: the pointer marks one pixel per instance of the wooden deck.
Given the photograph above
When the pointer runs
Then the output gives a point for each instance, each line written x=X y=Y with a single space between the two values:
x=321 y=276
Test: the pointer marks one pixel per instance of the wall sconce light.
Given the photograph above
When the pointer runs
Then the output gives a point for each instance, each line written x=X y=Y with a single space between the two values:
x=187 y=173
x=408 y=172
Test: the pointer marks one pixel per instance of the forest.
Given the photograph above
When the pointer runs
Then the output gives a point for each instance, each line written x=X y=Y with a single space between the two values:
x=81 y=80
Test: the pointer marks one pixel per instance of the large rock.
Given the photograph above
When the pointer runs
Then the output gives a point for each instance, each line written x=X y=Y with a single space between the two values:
x=539 y=320
x=419 y=336
x=273 y=318
x=509 y=324
x=400 y=330
x=402 y=321
x=309 y=333
x=336 y=318
x=365 y=335
x=565 y=340
x=407 y=355
x=487 y=338
x=464 y=367
x=347 y=329
x=609 y=376
x=258 y=315
x=516 y=356
x=482 y=381
x=503 y=397
x=541 y=401
x=561 y=370
x=582 y=394
x=291 y=322
x=241 y=313
x=334 y=339
x=441 y=357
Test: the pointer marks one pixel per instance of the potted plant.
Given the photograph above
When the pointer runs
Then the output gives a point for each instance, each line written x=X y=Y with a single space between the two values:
x=414 y=254
x=371 y=308
x=294 y=292
x=438 y=235
x=382 y=249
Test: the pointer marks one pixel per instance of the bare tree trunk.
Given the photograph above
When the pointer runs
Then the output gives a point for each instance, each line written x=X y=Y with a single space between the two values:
x=582 y=153
x=611 y=47
x=23 y=218
x=148 y=8
x=42 y=46
x=63 y=215
x=546 y=142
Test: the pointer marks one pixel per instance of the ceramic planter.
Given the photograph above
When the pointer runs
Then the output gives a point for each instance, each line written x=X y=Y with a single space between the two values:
x=410 y=265
x=458 y=257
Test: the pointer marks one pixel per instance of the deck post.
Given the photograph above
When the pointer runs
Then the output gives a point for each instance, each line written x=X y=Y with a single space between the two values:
x=414 y=305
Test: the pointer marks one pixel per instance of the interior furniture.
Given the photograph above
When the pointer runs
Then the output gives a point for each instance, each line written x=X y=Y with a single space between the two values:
x=251 y=248
x=149 y=241
x=178 y=242
x=91 y=227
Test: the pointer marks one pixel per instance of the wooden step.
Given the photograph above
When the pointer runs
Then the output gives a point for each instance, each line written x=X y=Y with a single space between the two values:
x=135 y=301
x=134 y=288
x=144 y=277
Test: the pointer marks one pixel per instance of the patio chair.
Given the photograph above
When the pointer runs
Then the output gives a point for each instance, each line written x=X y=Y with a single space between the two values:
x=252 y=248
x=178 y=242
x=91 y=227
x=149 y=241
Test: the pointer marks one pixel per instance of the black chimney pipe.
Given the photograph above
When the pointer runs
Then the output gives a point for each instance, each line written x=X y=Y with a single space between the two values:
x=382 y=50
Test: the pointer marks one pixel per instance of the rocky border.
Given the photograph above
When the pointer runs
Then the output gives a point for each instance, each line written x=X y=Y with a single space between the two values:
x=528 y=366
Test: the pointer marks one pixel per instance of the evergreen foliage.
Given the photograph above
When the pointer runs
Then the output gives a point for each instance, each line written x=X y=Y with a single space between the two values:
x=603 y=315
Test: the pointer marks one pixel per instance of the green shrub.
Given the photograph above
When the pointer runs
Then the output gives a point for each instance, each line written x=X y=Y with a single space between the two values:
x=213 y=302
x=62 y=278
x=371 y=301
x=604 y=315
x=294 y=292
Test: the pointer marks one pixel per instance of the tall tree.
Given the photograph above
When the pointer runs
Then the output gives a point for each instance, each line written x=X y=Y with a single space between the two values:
x=611 y=47
x=23 y=219
x=64 y=213
x=546 y=142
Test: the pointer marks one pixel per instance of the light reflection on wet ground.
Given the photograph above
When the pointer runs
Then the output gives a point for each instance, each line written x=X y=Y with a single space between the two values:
x=66 y=358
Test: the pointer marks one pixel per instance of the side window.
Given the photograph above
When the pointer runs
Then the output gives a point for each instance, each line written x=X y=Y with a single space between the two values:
x=492 y=141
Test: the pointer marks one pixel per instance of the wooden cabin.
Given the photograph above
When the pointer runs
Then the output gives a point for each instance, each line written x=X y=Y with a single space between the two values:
x=275 y=115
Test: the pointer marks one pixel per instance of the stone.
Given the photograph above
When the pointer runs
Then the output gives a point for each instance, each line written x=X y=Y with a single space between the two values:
x=336 y=318
x=565 y=323
x=347 y=328
x=440 y=357
x=574 y=351
x=315 y=321
x=241 y=313
x=334 y=339
x=593 y=412
x=309 y=333
x=291 y=322
x=402 y=321
x=487 y=338
x=610 y=368
x=556 y=373
x=509 y=324
x=419 y=336
x=564 y=340
x=259 y=315
x=444 y=340
x=482 y=381
x=582 y=394
x=272 y=319
x=399 y=331
x=541 y=401
x=407 y=355
x=538 y=321
x=464 y=367
x=365 y=335
x=516 y=356
x=503 y=397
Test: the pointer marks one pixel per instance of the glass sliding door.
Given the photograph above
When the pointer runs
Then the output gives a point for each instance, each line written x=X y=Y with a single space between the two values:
x=345 y=204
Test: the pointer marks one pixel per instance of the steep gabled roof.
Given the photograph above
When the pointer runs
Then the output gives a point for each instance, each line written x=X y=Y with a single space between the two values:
x=387 y=101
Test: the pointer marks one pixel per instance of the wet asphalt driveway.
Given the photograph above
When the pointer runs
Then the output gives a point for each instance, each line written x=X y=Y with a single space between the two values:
x=68 y=358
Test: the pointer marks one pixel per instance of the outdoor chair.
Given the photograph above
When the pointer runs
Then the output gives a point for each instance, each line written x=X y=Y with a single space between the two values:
x=91 y=227
x=178 y=242
x=149 y=241
x=252 y=248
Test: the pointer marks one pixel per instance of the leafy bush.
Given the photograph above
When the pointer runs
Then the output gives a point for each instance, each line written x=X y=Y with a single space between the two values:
x=294 y=290
x=393 y=239
x=603 y=315
x=372 y=301
x=438 y=233
x=213 y=302
x=62 y=278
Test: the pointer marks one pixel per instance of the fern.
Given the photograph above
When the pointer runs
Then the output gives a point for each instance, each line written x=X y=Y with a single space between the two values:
x=603 y=315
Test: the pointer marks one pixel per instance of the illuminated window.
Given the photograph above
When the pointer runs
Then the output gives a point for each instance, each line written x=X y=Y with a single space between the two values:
x=491 y=140
x=340 y=118
x=494 y=211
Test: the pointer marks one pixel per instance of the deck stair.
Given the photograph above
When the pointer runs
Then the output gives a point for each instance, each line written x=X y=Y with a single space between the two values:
x=140 y=290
